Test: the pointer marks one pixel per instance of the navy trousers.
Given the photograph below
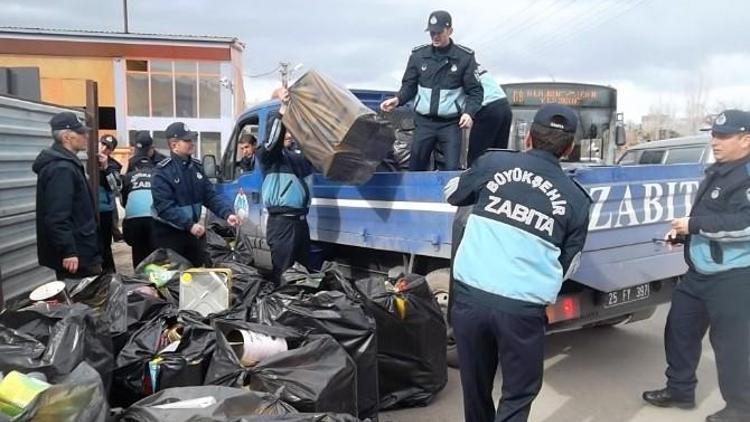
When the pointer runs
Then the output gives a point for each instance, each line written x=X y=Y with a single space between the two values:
x=718 y=302
x=488 y=333
x=430 y=133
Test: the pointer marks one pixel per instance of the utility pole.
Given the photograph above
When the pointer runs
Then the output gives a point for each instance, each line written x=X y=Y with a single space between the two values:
x=284 y=71
x=125 y=14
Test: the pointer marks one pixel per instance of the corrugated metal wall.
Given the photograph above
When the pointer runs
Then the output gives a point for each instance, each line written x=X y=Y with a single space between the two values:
x=24 y=132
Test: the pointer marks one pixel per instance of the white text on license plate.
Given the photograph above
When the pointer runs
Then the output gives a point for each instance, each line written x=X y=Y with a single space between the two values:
x=628 y=295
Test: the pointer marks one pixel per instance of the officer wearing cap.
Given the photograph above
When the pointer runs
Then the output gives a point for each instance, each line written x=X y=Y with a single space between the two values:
x=179 y=189
x=144 y=146
x=441 y=79
x=715 y=290
x=110 y=184
x=523 y=238
x=65 y=209
x=136 y=198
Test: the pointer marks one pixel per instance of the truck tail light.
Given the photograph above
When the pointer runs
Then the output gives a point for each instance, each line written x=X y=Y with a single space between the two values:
x=566 y=308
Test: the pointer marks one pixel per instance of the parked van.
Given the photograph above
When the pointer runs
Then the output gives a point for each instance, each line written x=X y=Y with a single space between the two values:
x=686 y=150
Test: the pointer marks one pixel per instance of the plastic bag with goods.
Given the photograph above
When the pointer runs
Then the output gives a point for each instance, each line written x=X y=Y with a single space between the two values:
x=54 y=339
x=299 y=305
x=314 y=374
x=339 y=135
x=172 y=350
x=411 y=340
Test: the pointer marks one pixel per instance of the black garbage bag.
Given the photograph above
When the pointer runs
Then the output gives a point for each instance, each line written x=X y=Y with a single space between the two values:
x=215 y=403
x=301 y=417
x=222 y=248
x=411 y=340
x=315 y=374
x=328 y=278
x=162 y=268
x=336 y=314
x=77 y=397
x=54 y=339
x=144 y=303
x=172 y=350
x=247 y=286
x=247 y=282
x=107 y=295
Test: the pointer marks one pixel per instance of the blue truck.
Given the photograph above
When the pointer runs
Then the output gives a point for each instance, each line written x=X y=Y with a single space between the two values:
x=399 y=220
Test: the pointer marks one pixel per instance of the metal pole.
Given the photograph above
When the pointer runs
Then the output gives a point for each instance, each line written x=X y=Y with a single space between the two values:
x=125 y=14
x=92 y=152
x=284 y=70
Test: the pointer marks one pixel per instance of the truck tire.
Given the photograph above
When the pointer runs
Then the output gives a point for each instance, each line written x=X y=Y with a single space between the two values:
x=440 y=282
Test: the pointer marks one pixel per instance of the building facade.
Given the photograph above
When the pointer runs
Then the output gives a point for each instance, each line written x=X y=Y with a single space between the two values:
x=145 y=81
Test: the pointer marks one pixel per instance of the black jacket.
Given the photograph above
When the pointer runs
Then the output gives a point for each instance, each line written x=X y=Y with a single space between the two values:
x=65 y=212
x=443 y=80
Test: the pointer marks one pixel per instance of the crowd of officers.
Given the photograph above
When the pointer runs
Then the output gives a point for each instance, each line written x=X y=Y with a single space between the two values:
x=519 y=205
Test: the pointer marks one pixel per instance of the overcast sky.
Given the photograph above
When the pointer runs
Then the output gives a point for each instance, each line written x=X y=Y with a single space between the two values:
x=657 y=53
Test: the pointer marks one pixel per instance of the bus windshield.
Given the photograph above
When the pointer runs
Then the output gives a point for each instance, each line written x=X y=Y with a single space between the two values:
x=597 y=114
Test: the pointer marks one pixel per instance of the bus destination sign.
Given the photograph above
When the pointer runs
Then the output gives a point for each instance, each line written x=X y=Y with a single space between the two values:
x=581 y=96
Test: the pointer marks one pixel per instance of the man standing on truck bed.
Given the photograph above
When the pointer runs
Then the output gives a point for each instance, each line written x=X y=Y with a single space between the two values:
x=523 y=238
x=286 y=195
x=441 y=75
x=716 y=288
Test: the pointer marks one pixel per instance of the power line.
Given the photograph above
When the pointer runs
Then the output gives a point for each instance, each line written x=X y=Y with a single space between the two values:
x=596 y=17
x=523 y=24
x=488 y=34
x=594 y=23
x=531 y=25
x=260 y=75
x=523 y=50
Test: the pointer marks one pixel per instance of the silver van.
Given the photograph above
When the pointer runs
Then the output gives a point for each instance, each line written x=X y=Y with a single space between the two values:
x=686 y=150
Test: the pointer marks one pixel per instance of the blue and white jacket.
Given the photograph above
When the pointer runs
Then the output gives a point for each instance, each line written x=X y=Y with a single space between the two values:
x=286 y=174
x=136 y=189
x=442 y=81
x=719 y=223
x=527 y=227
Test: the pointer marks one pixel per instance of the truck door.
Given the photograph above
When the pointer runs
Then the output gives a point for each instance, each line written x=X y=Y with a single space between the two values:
x=242 y=186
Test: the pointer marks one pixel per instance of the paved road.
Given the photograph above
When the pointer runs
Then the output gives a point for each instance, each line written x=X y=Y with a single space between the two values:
x=594 y=375
x=591 y=376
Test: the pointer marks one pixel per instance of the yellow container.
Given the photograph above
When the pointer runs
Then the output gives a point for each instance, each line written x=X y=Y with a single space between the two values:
x=18 y=390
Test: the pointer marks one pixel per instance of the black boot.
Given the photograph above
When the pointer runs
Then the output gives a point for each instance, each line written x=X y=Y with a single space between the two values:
x=665 y=398
x=729 y=414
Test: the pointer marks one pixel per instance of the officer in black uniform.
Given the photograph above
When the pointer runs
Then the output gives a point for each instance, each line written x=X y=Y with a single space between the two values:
x=442 y=77
x=524 y=236
x=179 y=189
x=715 y=291
x=144 y=144
x=286 y=195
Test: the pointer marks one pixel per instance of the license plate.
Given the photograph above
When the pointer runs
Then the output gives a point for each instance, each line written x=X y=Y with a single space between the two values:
x=629 y=295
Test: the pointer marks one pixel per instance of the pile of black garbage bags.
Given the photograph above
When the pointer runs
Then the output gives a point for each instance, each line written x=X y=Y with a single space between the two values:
x=119 y=347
